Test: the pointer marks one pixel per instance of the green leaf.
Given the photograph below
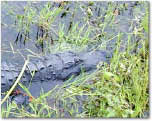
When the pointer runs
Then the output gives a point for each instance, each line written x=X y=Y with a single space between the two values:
x=111 y=76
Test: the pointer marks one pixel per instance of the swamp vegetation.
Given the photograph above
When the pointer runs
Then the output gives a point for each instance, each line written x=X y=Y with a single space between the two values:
x=119 y=89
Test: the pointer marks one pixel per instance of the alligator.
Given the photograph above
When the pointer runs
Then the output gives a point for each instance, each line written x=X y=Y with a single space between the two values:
x=59 y=66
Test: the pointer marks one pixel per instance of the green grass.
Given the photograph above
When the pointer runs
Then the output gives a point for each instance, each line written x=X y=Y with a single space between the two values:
x=115 y=90
x=119 y=89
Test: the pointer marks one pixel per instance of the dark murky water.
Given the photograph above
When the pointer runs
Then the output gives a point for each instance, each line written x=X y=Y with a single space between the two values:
x=126 y=21
x=76 y=12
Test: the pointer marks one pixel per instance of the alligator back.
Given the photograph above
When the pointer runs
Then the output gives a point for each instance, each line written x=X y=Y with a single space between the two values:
x=58 y=66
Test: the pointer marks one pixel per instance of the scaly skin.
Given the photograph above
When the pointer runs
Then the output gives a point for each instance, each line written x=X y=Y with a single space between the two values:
x=58 y=66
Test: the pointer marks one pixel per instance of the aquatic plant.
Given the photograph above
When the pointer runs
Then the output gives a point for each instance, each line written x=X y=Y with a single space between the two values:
x=119 y=89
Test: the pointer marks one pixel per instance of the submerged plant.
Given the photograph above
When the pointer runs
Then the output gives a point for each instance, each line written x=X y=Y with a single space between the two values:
x=45 y=19
x=24 y=22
